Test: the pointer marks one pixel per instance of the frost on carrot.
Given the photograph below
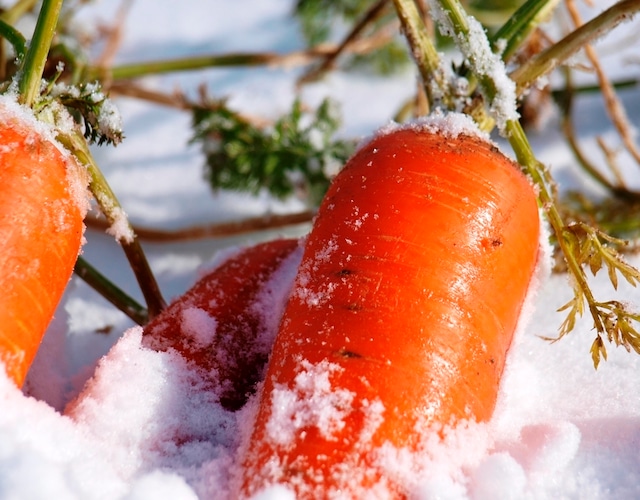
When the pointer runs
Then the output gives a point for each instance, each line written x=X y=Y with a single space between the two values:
x=225 y=324
x=403 y=309
x=42 y=209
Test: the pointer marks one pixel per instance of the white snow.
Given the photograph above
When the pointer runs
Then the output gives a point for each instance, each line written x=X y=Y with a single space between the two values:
x=312 y=402
x=485 y=63
x=103 y=417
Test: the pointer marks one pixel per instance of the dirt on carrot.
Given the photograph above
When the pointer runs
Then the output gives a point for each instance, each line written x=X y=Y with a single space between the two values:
x=402 y=312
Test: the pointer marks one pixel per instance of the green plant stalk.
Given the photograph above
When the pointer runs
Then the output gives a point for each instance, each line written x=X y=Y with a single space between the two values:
x=422 y=49
x=36 y=56
x=109 y=205
x=111 y=292
x=15 y=38
x=521 y=24
x=547 y=60
x=505 y=42
x=565 y=102
x=136 y=70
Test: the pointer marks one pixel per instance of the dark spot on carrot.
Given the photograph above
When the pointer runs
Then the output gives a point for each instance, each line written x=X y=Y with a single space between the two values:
x=354 y=307
x=345 y=272
x=345 y=353
x=491 y=243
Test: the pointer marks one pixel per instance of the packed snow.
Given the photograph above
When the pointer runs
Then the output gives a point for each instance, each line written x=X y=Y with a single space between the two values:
x=102 y=416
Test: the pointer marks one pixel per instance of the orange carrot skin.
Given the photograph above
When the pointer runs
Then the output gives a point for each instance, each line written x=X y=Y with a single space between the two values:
x=41 y=228
x=234 y=355
x=410 y=286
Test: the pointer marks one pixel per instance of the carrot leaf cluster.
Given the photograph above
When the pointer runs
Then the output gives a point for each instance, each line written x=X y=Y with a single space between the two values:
x=297 y=155
x=93 y=110
x=596 y=250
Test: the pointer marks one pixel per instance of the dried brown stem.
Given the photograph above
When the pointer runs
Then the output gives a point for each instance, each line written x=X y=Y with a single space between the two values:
x=610 y=156
x=370 y=16
x=614 y=107
x=217 y=230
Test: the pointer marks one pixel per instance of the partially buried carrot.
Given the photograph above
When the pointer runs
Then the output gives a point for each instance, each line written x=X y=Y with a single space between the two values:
x=402 y=312
x=226 y=322
x=42 y=203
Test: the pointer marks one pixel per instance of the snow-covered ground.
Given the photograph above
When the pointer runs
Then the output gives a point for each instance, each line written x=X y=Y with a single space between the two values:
x=100 y=415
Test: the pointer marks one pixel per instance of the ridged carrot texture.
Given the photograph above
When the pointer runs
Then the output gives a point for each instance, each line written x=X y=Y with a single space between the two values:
x=42 y=205
x=402 y=312
x=227 y=321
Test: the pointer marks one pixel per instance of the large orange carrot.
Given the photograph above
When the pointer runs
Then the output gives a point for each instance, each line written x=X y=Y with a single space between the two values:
x=402 y=312
x=42 y=198
x=222 y=323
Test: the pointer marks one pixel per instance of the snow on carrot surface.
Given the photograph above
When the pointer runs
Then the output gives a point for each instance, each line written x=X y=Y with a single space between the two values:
x=312 y=402
x=104 y=417
x=450 y=124
x=11 y=110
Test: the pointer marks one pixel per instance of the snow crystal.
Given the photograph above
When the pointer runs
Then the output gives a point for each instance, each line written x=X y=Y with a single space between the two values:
x=485 y=63
x=312 y=401
x=199 y=326
x=302 y=289
x=120 y=228
x=447 y=123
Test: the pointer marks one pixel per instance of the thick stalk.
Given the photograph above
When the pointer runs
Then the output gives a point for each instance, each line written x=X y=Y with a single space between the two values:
x=423 y=51
x=112 y=210
x=36 y=57
x=136 y=70
x=521 y=24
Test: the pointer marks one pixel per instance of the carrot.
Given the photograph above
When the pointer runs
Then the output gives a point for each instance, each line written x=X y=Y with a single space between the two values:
x=405 y=303
x=41 y=228
x=222 y=323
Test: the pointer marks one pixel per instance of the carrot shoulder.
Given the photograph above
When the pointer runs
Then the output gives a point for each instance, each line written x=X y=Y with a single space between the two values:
x=41 y=227
x=222 y=323
x=402 y=312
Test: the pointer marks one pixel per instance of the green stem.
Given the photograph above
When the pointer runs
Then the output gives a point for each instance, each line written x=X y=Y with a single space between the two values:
x=36 y=57
x=112 y=210
x=521 y=24
x=136 y=70
x=15 y=38
x=424 y=52
x=547 y=60
x=111 y=292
